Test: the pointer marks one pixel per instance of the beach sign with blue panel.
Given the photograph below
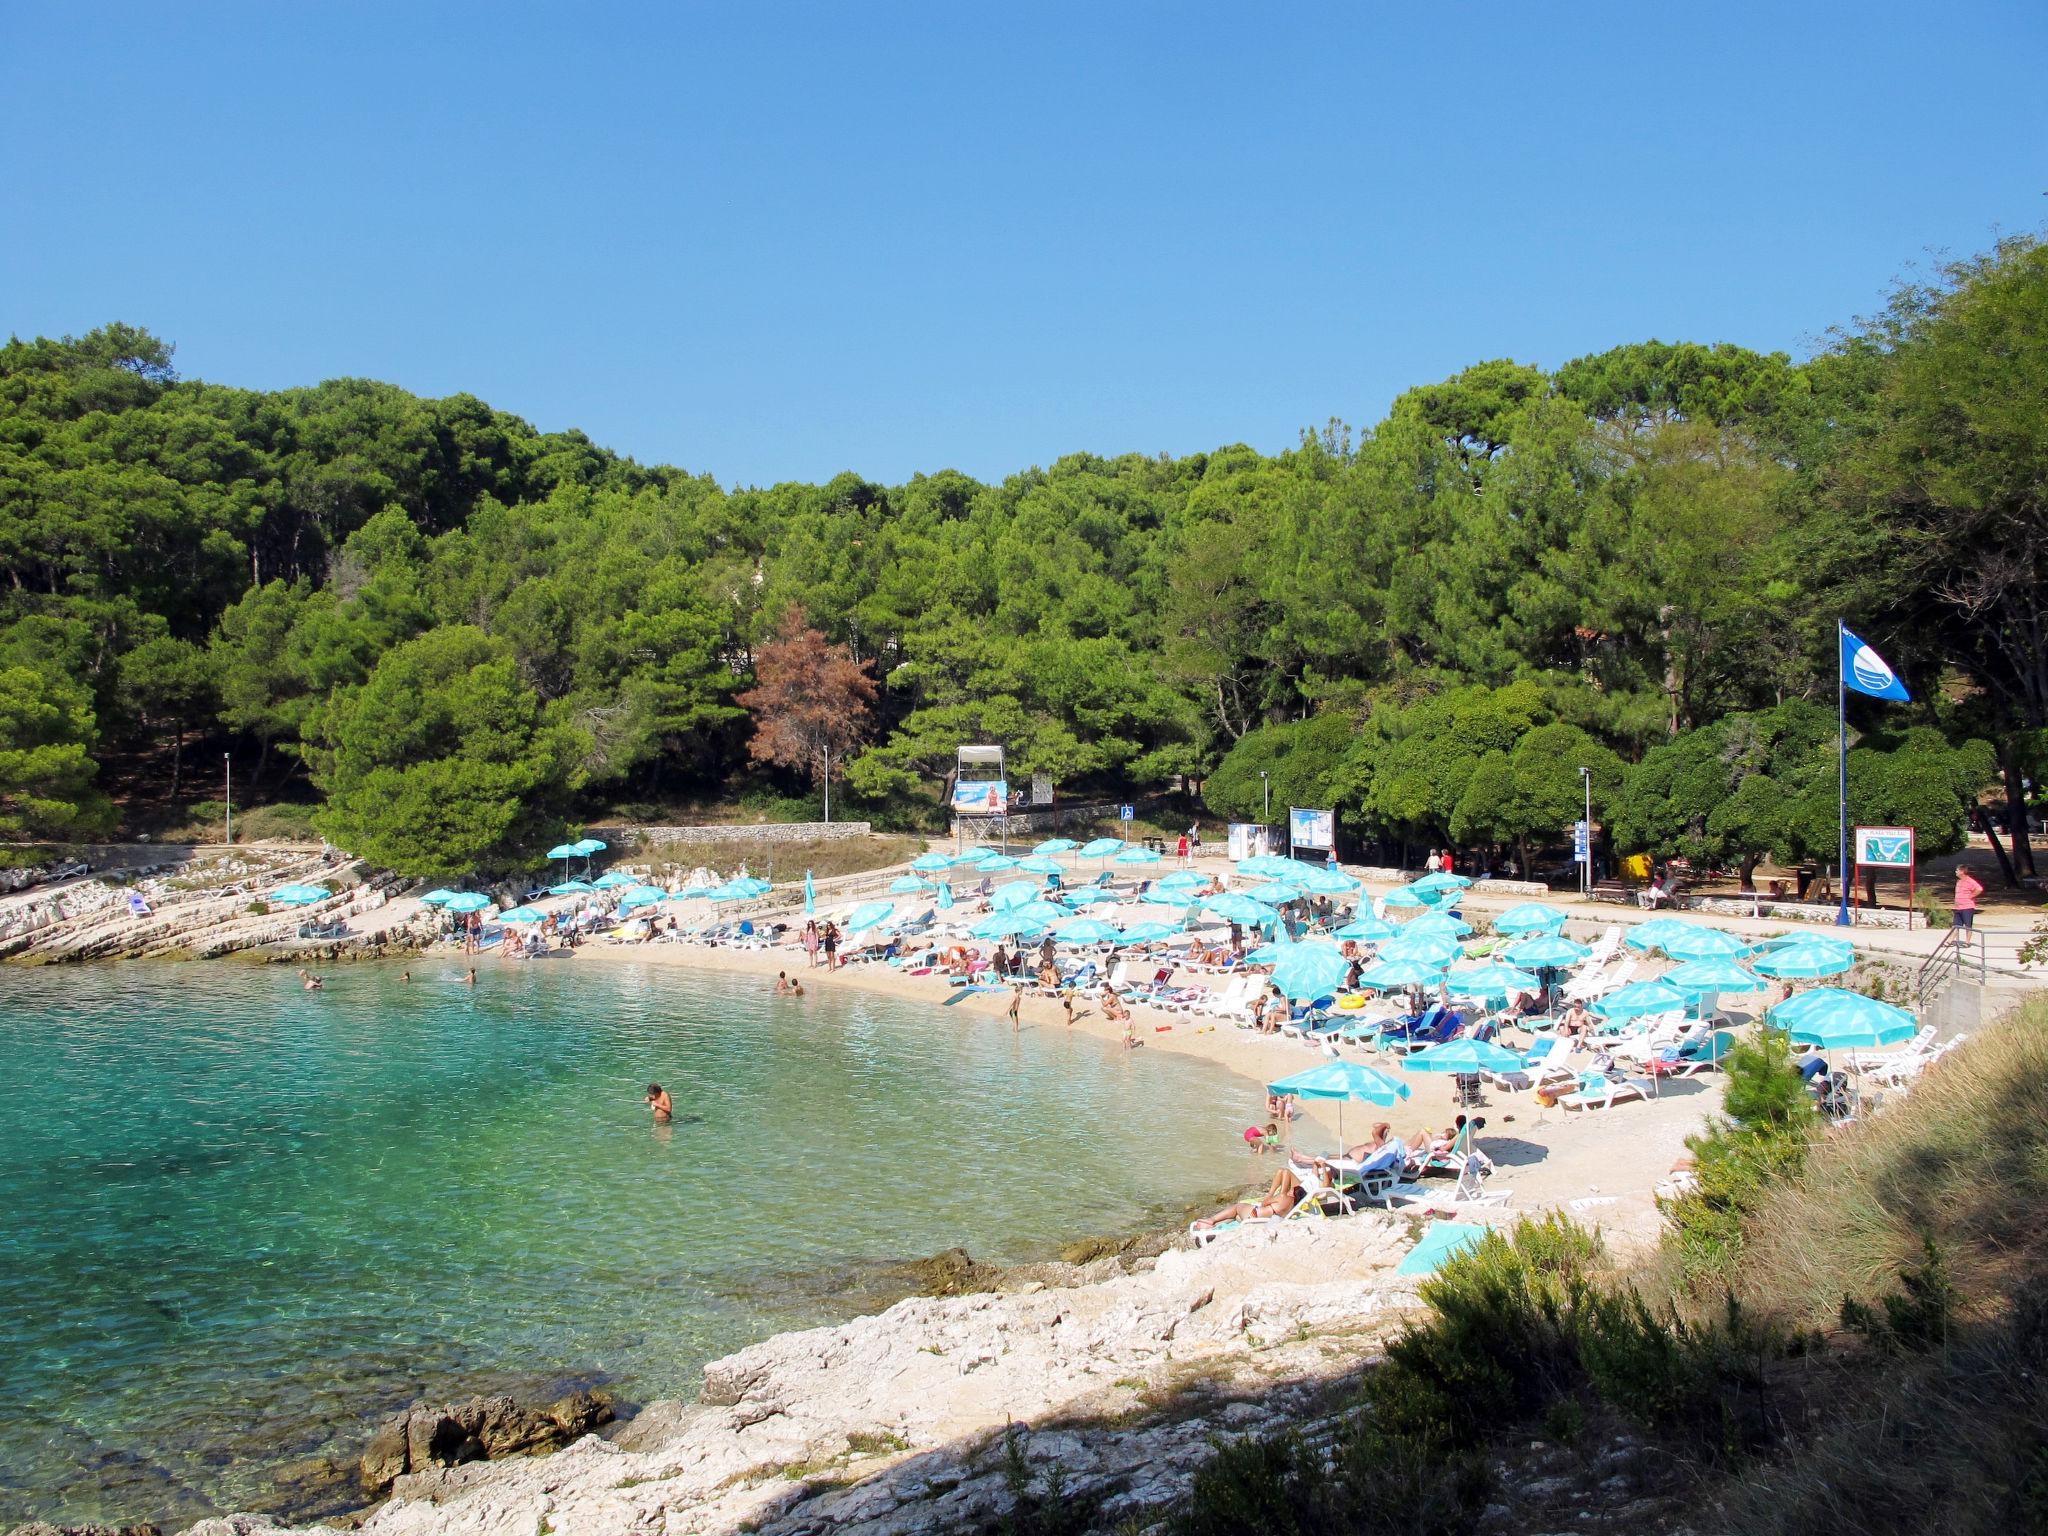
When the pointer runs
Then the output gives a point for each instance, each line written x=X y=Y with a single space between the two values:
x=1885 y=847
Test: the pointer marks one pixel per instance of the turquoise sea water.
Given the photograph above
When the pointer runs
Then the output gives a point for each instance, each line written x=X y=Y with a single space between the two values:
x=239 y=1222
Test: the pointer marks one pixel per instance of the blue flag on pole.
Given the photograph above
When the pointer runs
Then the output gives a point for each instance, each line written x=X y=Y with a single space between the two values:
x=1867 y=672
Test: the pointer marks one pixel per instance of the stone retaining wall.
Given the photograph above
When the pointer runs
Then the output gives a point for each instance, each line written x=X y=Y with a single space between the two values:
x=762 y=832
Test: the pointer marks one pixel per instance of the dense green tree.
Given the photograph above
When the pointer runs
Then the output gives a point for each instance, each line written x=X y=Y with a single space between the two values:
x=443 y=761
x=1535 y=792
x=1943 y=486
x=1722 y=793
x=46 y=766
x=1300 y=758
x=1649 y=543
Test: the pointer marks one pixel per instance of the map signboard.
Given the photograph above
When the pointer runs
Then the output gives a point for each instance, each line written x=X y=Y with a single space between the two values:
x=1885 y=847
x=1311 y=829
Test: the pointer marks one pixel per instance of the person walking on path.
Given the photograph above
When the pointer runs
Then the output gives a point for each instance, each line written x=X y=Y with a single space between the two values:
x=1180 y=851
x=1968 y=889
x=811 y=943
x=1433 y=863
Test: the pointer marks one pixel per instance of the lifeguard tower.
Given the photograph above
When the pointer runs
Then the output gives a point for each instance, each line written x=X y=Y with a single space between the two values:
x=981 y=799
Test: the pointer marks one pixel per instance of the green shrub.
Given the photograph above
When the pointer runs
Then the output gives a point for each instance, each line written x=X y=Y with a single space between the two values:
x=1764 y=1141
x=1501 y=1340
x=1914 y=1317
x=1260 y=1483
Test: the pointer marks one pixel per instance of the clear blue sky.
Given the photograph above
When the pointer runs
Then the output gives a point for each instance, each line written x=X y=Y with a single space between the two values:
x=777 y=241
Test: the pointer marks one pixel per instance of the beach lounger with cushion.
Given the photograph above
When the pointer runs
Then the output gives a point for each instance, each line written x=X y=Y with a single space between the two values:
x=1597 y=1092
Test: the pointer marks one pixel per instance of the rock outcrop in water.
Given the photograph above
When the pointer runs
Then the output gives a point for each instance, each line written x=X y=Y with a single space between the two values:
x=480 y=1429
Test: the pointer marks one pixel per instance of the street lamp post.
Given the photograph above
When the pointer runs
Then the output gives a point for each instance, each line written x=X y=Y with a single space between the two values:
x=1586 y=868
x=227 y=768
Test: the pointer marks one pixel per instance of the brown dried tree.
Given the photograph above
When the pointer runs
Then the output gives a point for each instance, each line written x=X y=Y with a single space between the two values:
x=809 y=701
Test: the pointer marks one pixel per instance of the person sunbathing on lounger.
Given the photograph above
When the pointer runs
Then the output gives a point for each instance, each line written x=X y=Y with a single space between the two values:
x=1281 y=1196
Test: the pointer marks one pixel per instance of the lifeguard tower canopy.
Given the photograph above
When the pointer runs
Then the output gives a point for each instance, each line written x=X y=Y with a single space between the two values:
x=981 y=795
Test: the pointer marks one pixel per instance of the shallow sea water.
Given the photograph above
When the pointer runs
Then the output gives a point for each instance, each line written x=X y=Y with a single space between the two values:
x=239 y=1222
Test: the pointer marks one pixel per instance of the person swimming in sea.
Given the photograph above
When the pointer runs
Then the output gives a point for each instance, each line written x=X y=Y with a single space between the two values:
x=470 y=979
x=663 y=1106
x=308 y=982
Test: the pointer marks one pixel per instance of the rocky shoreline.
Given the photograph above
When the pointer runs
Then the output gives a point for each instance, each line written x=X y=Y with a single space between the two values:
x=945 y=1411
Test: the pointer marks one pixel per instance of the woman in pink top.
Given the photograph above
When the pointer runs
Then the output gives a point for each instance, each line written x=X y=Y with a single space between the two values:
x=1968 y=889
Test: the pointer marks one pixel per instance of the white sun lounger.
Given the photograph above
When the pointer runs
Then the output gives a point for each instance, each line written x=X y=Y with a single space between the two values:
x=1612 y=1093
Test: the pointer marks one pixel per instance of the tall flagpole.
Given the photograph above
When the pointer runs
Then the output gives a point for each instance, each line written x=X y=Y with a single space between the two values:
x=1842 y=773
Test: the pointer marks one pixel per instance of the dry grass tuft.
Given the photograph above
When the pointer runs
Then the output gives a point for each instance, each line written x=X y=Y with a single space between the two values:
x=1963 y=1160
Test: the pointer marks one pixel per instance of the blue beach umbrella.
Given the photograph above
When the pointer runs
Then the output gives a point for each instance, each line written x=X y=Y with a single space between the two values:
x=437 y=897
x=1437 y=922
x=868 y=914
x=1181 y=880
x=1039 y=864
x=810 y=895
x=1091 y=896
x=468 y=901
x=589 y=845
x=1272 y=866
x=1327 y=882
x=1806 y=958
x=932 y=862
x=1442 y=1242
x=1040 y=913
x=1235 y=908
x=1101 y=847
x=1490 y=981
x=1347 y=1082
x=1085 y=930
x=1145 y=933
x=1274 y=894
x=1706 y=944
x=1438 y=884
x=1430 y=948
x=1640 y=998
x=1309 y=970
x=1056 y=845
x=1660 y=931
x=1015 y=894
x=1549 y=951
x=1137 y=853
x=565 y=851
x=905 y=885
x=1368 y=928
x=994 y=863
x=523 y=915
x=300 y=895
x=746 y=888
x=1407 y=896
x=1715 y=975
x=642 y=896
x=1262 y=954
x=1005 y=925
x=571 y=888
x=1466 y=1056
x=945 y=901
x=1387 y=975
x=612 y=880
x=1530 y=917
x=1834 y=1018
